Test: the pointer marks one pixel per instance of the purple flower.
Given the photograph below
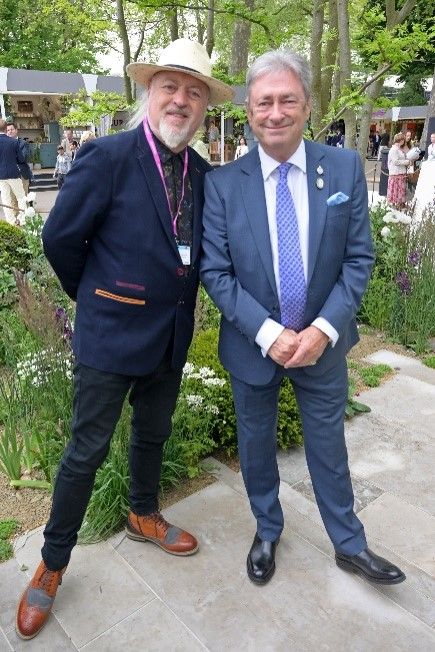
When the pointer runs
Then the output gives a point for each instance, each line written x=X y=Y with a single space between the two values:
x=414 y=258
x=63 y=320
x=402 y=280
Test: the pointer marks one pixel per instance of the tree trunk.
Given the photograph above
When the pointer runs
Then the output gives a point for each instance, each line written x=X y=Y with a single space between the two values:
x=174 y=25
x=316 y=64
x=430 y=114
x=346 y=70
x=372 y=94
x=240 y=44
x=330 y=55
x=199 y=26
x=210 y=28
x=120 y=19
x=393 y=18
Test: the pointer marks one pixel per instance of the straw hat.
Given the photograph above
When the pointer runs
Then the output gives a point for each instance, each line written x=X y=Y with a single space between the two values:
x=186 y=56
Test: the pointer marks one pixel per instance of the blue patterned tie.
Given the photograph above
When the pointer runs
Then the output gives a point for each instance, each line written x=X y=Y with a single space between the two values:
x=291 y=270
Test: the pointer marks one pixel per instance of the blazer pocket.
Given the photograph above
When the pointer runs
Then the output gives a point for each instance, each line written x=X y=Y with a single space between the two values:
x=119 y=297
x=337 y=210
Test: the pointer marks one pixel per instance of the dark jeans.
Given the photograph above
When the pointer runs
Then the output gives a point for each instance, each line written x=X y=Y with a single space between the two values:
x=98 y=401
x=60 y=180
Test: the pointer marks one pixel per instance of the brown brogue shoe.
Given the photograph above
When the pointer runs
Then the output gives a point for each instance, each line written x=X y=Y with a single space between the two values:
x=37 y=600
x=154 y=528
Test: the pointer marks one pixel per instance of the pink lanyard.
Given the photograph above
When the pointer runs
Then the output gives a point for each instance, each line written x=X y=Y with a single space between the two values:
x=158 y=163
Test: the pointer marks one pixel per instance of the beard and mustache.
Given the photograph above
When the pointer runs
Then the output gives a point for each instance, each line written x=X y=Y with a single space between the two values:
x=173 y=137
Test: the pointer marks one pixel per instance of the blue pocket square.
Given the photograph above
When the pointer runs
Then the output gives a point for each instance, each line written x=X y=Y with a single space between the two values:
x=338 y=198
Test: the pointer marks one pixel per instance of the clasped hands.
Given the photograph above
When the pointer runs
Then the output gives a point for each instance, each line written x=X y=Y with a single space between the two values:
x=301 y=349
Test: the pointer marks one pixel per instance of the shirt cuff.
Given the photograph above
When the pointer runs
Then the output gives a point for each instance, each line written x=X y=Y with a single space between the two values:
x=268 y=333
x=323 y=325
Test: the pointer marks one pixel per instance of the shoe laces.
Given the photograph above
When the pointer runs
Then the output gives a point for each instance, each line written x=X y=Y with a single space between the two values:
x=159 y=520
x=49 y=580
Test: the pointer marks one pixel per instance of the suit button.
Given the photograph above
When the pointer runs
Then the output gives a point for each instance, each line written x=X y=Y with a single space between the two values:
x=180 y=271
x=181 y=302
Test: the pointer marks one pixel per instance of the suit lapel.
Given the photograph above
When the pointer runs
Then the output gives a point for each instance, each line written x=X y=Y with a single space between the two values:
x=197 y=181
x=155 y=186
x=252 y=188
x=316 y=163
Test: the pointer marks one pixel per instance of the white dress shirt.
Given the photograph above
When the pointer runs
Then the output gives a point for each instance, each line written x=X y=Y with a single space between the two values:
x=297 y=181
x=431 y=152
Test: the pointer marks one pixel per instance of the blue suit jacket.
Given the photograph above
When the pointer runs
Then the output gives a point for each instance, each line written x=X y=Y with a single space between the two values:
x=109 y=239
x=10 y=156
x=237 y=267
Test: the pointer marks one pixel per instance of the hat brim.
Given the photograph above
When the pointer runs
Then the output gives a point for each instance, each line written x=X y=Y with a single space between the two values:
x=142 y=73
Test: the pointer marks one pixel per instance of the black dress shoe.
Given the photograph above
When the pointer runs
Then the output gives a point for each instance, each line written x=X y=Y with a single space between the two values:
x=261 y=560
x=371 y=567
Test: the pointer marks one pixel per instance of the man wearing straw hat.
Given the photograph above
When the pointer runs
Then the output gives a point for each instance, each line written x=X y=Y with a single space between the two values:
x=126 y=250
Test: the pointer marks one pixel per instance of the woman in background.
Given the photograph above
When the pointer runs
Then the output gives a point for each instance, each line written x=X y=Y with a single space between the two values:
x=241 y=148
x=397 y=167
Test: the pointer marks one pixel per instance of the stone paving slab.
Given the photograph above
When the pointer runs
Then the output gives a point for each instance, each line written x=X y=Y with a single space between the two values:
x=98 y=588
x=399 y=525
x=404 y=364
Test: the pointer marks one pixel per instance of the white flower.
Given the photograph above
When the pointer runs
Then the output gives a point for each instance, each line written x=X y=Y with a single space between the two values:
x=206 y=372
x=389 y=217
x=188 y=368
x=30 y=197
x=385 y=232
x=403 y=218
x=214 y=381
x=194 y=400
x=213 y=409
x=29 y=212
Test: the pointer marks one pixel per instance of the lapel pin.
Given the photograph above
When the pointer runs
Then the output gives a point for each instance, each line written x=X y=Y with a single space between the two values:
x=319 y=183
x=319 y=170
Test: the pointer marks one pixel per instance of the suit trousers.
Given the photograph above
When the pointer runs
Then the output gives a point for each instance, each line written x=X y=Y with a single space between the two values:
x=10 y=189
x=14 y=201
x=98 y=402
x=321 y=401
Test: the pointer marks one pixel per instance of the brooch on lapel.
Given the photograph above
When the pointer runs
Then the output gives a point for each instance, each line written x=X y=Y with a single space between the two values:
x=319 y=183
x=319 y=170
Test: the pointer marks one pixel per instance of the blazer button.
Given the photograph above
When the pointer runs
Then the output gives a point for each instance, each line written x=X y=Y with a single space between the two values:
x=181 y=302
x=180 y=271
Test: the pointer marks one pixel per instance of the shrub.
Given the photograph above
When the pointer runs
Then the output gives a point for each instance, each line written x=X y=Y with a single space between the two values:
x=12 y=248
x=203 y=352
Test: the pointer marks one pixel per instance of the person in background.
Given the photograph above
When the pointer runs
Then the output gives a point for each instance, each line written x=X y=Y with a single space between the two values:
x=26 y=172
x=409 y=142
x=86 y=137
x=287 y=255
x=74 y=148
x=384 y=143
x=127 y=251
x=397 y=168
x=241 y=148
x=62 y=167
x=197 y=143
x=67 y=140
x=431 y=148
x=11 y=185
x=214 y=140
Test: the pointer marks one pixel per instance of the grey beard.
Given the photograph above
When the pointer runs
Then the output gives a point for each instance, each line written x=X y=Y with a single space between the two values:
x=174 y=138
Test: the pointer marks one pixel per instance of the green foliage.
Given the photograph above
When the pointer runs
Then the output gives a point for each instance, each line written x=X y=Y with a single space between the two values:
x=429 y=361
x=372 y=376
x=51 y=35
x=83 y=112
x=353 y=407
x=400 y=297
x=7 y=529
x=12 y=242
x=412 y=93
x=6 y=550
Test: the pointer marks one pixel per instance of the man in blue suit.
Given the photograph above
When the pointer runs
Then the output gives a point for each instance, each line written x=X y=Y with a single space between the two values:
x=11 y=186
x=287 y=257
x=124 y=239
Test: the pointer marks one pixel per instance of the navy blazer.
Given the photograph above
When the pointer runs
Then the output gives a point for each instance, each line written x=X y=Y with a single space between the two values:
x=237 y=266
x=10 y=156
x=24 y=168
x=109 y=239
